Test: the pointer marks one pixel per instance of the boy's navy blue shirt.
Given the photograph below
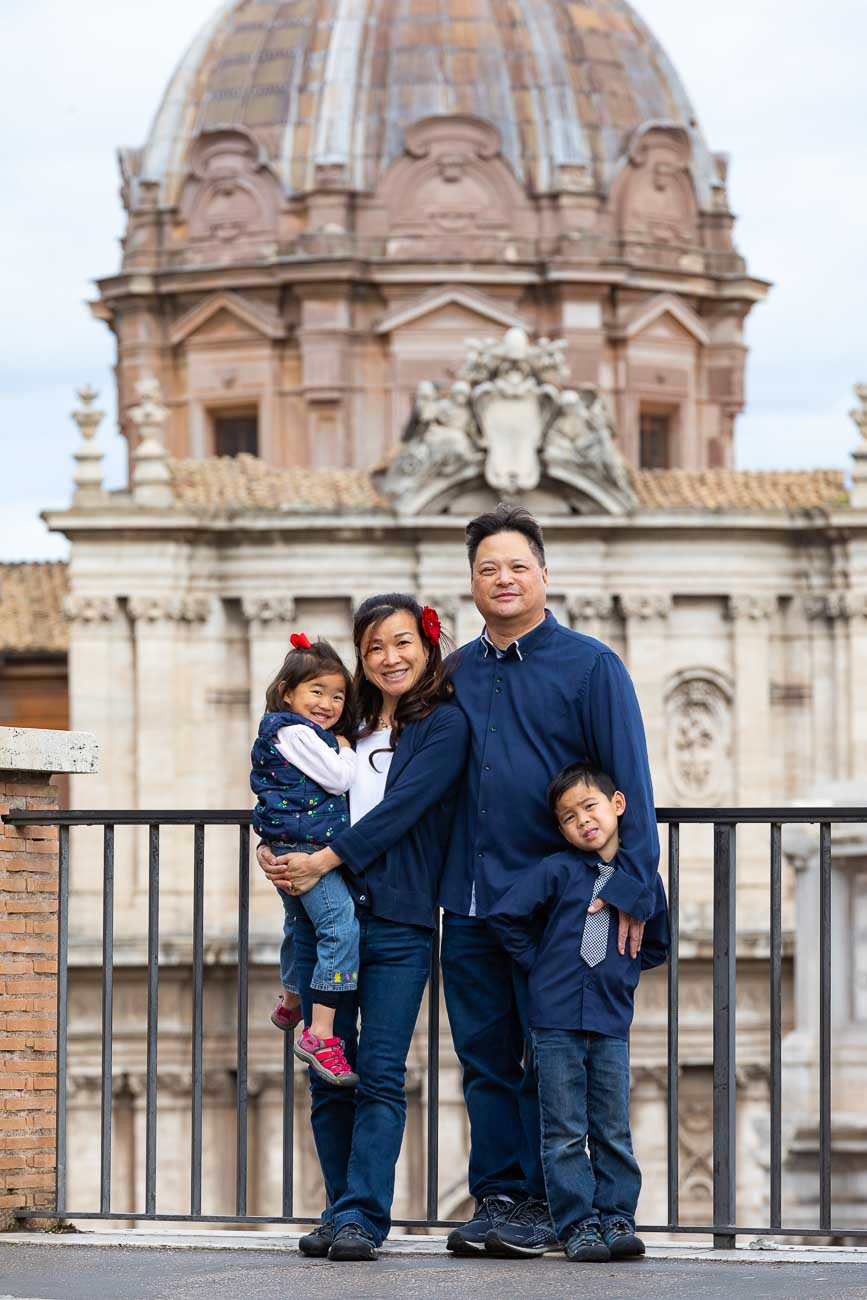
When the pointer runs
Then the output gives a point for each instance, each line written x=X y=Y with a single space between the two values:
x=393 y=857
x=554 y=697
x=540 y=921
x=292 y=808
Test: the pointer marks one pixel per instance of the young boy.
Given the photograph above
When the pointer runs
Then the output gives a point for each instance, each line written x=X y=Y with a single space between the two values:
x=581 y=1005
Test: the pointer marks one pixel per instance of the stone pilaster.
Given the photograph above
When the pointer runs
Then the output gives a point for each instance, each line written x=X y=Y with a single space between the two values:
x=855 y=704
x=646 y=617
x=270 y=623
x=751 y=740
x=590 y=613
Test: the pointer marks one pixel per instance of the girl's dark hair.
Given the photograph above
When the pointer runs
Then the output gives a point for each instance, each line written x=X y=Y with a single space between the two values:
x=303 y=665
x=432 y=688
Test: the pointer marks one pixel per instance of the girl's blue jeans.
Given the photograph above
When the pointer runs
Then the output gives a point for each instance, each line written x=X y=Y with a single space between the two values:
x=331 y=912
x=584 y=1103
x=359 y=1131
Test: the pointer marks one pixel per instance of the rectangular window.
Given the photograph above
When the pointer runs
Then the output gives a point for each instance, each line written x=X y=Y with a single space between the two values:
x=655 y=428
x=236 y=432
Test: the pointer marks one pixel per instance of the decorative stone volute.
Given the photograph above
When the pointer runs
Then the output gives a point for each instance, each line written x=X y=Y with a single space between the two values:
x=88 y=457
x=151 y=479
x=858 y=494
x=508 y=421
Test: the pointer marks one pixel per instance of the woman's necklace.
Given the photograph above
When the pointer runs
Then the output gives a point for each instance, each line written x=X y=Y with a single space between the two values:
x=382 y=724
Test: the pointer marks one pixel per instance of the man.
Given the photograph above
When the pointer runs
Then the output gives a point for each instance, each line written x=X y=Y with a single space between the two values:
x=537 y=696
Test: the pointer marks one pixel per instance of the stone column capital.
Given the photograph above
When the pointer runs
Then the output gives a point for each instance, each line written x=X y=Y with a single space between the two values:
x=170 y=609
x=271 y=612
x=749 y=608
x=586 y=607
x=78 y=608
x=646 y=607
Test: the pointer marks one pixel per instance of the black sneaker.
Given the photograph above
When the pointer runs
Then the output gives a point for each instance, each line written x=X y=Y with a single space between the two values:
x=619 y=1236
x=585 y=1245
x=317 y=1243
x=351 y=1242
x=469 y=1239
x=528 y=1231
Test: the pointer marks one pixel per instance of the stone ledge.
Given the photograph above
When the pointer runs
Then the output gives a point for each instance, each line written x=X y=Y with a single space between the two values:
x=36 y=750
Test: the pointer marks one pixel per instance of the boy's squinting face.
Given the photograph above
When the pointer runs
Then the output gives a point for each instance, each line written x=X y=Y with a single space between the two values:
x=588 y=819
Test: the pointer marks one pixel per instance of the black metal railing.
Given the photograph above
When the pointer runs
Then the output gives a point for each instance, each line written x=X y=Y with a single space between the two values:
x=724 y=1228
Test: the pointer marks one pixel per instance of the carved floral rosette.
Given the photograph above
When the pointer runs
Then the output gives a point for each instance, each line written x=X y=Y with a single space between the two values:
x=698 y=709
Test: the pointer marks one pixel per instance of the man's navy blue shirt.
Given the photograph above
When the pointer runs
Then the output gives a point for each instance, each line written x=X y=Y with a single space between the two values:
x=554 y=697
x=540 y=922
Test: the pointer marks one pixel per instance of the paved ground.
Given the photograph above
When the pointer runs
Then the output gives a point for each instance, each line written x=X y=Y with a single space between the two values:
x=48 y=1269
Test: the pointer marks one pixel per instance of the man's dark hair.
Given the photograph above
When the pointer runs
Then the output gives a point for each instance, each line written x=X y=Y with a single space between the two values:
x=578 y=774
x=505 y=519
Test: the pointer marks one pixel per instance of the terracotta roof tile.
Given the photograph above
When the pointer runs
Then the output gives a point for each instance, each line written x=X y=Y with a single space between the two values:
x=31 y=608
x=733 y=491
x=232 y=484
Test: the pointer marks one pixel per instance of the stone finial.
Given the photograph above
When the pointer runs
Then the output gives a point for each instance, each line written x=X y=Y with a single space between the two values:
x=858 y=494
x=88 y=457
x=151 y=478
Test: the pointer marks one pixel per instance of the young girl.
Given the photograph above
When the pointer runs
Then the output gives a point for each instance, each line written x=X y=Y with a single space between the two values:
x=302 y=768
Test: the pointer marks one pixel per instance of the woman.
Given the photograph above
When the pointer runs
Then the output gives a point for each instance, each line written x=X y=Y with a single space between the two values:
x=411 y=751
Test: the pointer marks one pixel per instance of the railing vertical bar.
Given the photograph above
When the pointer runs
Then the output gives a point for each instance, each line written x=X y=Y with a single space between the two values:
x=288 y=1125
x=62 y=1012
x=107 y=1009
x=152 y=1013
x=724 y=1002
x=776 y=995
x=243 y=1009
x=198 y=1011
x=825 y=1025
x=673 y=1011
x=433 y=1076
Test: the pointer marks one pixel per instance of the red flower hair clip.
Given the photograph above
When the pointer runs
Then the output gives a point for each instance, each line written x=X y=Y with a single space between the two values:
x=300 y=641
x=430 y=624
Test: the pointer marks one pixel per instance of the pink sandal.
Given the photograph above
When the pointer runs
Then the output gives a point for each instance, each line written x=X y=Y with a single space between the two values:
x=327 y=1057
x=286 y=1018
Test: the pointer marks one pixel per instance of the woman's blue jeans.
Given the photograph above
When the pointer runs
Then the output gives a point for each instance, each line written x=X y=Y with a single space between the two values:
x=584 y=1102
x=358 y=1132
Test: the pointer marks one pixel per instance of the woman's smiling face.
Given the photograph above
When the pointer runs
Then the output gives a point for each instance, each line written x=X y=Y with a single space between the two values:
x=393 y=654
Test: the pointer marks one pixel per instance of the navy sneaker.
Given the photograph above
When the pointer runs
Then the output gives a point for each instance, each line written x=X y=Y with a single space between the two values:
x=317 y=1243
x=585 y=1245
x=619 y=1236
x=527 y=1232
x=351 y=1242
x=469 y=1239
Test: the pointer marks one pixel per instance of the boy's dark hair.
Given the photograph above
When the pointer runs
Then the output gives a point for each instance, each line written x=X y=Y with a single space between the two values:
x=302 y=665
x=505 y=519
x=578 y=774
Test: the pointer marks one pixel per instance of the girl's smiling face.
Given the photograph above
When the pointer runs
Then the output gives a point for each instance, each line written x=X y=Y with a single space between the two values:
x=319 y=699
x=393 y=655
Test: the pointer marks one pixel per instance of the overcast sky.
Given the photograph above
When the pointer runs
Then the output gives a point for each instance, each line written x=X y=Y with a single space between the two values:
x=779 y=86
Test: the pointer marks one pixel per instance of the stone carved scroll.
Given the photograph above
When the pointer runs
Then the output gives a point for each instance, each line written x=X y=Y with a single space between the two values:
x=508 y=420
x=698 y=736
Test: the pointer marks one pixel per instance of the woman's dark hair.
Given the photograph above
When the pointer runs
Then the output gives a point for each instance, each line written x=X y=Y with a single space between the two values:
x=505 y=519
x=578 y=774
x=302 y=665
x=432 y=688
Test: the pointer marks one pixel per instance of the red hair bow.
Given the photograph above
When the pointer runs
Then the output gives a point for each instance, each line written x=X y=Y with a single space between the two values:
x=300 y=641
x=430 y=624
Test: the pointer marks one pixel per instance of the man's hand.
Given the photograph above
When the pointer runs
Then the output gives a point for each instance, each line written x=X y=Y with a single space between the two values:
x=628 y=928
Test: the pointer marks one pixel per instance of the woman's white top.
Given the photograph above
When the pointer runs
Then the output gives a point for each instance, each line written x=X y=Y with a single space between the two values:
x=333 y=769
x=368 y=787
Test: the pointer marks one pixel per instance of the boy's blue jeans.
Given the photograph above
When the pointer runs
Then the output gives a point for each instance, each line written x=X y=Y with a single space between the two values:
x=584 y=1101
x=331 y=911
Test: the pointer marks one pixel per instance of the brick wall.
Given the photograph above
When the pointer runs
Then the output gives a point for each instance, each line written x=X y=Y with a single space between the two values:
x=28 y=958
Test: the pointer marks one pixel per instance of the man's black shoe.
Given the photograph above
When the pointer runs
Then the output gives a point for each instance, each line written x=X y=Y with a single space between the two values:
x=317 y=1243
x=469 y=1239
x=526 y=1233
x=351 y=1242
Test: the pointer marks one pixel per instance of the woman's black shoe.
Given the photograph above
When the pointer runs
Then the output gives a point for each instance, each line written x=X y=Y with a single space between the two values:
x=317 y=1243
x=351 y=1242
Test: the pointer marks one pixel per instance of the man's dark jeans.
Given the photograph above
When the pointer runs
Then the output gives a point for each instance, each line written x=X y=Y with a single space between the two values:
x=486 y=998
x=584 y=1093
x=359 y=1131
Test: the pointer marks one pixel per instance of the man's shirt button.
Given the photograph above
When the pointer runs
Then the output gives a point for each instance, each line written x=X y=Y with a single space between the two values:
x=487 y=767
x=493 y=728
x=362 y=898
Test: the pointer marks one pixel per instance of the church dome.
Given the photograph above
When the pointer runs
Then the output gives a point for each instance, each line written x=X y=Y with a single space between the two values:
x=333 y=85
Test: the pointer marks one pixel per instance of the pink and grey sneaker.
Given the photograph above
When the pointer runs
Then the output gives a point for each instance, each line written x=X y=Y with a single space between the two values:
x=327 y=1057
x=286 y=1018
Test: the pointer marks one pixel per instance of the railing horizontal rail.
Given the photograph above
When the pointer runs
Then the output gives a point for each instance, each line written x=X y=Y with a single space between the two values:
x=725 y=823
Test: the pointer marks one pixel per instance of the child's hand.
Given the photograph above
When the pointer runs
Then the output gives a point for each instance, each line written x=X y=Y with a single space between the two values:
x=344 y=743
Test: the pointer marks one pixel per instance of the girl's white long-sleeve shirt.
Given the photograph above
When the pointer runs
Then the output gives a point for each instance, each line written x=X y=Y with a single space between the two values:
x=333 y=769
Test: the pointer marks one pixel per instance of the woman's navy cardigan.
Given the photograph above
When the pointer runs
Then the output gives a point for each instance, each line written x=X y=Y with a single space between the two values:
x=393 y=857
